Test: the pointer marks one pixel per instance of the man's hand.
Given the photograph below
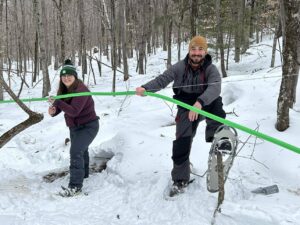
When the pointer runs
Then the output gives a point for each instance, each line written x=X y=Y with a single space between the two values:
x=193 y=115
x=52 y=110
x=140 y=91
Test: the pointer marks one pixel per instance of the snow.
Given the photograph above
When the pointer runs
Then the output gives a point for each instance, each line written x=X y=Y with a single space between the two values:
x=138 y=132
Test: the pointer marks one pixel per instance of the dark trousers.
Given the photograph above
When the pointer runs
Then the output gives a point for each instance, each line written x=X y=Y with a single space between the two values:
x=81 y=138
x=186 y=131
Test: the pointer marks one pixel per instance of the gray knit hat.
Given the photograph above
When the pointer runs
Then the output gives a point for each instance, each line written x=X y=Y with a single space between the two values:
x=68 y=68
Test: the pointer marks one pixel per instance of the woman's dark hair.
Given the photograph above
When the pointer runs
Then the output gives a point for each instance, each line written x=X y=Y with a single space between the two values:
x=62 y=89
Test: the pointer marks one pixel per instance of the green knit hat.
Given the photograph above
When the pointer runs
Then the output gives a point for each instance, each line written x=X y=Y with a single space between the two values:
x=68 y=68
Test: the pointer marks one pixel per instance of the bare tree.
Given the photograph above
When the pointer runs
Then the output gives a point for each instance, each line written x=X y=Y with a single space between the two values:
x=61 y=29
x=165 y=23
x=61 y=9
x=129 y=25
x=251 y=30
x=193 y=16
x=169 y=60
x=179 y=27
x=1 y=49
x=237 y=34
x=82 y=37
x=65 y=25
x=220 y=43
x=141 y=37
x=113 y=37
x=277 y=34
x=122 y=9
x=290 y=69
x=42 y=44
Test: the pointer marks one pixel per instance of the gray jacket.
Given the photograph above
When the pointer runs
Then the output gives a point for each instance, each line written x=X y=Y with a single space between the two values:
x=203 y=85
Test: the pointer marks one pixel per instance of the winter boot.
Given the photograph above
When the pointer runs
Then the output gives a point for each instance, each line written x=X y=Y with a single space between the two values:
x=70 y=191
x=178 y=187
x=224 y=146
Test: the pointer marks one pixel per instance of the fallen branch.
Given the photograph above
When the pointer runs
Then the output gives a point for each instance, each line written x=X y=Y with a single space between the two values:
x=233 y=112
x=33 y=116
x=7 y=136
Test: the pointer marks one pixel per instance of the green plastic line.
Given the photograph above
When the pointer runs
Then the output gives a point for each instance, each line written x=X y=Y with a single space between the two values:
x=229 y=123
x=184 y=105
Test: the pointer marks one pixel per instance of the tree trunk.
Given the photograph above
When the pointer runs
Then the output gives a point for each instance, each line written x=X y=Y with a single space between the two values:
x=169 y=60
x=36 y=57
x=41 y=35
x=8 y=43
x=1 y=51
x=129 y=29
x=179 y=40
x=276 y=36
x=113 y=38
x=1 y=74
x=149 y=26
x=61 y=10
x=82 y=38
x=23 y=38
x=251 y=29
x=193 y=16
x=290 y=68
x=44 y=53
x=165 y=24
x=228 y=48
x=155 y=43
x=141 y=39
x=46 y=34
x=123 y=8
x=237 y=34
x=220 y=43
x=55 y=42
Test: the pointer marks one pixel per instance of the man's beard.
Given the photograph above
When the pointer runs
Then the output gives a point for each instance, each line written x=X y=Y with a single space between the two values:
x=200 y=56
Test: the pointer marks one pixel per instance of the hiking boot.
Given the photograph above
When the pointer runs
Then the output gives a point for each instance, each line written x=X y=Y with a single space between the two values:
x=178 y=187
x=69 y=192
x=224 y=146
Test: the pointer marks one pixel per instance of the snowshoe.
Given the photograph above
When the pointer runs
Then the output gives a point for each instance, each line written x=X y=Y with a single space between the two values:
x=225 y=143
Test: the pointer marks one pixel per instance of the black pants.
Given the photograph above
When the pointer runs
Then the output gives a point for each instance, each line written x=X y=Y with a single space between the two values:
x=186 y=131
x=81 y=138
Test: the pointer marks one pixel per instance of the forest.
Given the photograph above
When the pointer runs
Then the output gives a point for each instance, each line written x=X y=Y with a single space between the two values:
x=38 y=34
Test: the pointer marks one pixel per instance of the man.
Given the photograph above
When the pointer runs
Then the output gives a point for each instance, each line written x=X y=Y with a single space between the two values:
x=197 y=82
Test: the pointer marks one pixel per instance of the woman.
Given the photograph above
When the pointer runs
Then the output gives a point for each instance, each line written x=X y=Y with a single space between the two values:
x=81 y=118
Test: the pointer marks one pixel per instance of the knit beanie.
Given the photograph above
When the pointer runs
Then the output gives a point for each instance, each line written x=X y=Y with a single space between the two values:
x=68 y=68
x=198 y=41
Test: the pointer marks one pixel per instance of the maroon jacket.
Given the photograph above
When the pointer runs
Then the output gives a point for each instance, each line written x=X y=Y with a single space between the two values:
x=79 y=110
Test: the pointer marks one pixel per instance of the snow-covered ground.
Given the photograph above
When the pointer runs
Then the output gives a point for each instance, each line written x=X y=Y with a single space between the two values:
x=138 y=132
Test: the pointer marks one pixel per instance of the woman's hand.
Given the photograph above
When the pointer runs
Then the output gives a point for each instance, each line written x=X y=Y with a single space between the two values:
x=51 y=100
x=52 y=110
